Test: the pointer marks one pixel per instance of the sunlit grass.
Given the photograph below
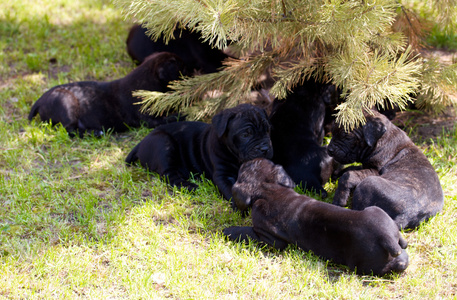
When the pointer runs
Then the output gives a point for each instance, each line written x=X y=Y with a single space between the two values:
x=76 y=222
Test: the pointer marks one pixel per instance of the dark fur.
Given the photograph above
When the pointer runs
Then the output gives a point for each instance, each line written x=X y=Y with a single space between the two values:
x=395 y=175
x=188 y=45
x=91 y=106
x=297 y=132
x=216 y=150
x=367 y=241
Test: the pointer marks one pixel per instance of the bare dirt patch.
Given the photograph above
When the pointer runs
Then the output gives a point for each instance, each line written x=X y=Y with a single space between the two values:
x=423 y=126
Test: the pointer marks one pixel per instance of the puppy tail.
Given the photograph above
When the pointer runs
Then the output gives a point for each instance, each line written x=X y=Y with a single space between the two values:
x=132 y=157
x=34 y=110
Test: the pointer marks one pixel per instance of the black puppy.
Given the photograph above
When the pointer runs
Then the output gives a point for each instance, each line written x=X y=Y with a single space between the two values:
x=367 y=241
x=395 y=175
x=216 y=150
x=197 y=54
x=297 y=132
x=90 y=106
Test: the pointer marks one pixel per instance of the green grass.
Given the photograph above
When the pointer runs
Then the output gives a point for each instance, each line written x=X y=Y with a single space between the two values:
x=442 y=40
x=75 y=222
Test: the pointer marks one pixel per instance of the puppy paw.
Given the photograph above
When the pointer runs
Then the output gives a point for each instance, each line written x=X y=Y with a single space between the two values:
x=191 y=187
x=341 y=197
x=240 y=234
x=323 y=193
x=400 y=262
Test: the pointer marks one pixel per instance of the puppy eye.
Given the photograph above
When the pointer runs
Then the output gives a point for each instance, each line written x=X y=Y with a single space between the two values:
x=247 y=133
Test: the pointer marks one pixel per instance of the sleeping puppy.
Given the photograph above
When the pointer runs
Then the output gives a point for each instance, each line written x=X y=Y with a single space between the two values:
x=91 y=106
x=395 y=175
x=367 y=241
x=216 y=150
x=196 y=53
x=297 y=133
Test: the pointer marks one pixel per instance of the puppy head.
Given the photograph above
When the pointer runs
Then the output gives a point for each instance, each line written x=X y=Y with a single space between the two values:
x=245 y=130
x=358 y=144
x=161 y=68
x=251 y=179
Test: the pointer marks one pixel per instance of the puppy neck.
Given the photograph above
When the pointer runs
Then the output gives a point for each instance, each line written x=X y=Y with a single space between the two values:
x=388 y=148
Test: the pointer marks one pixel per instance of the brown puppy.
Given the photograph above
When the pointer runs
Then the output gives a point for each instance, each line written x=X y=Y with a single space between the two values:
x=91 y=106
x=395 y=175
x=367 y=241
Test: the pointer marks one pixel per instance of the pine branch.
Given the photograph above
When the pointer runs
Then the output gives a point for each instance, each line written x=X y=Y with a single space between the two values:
x=438 y=86
x=411 y=26
x=446 y=13
x=357 y=45
x=372 y=79
x=231 y=85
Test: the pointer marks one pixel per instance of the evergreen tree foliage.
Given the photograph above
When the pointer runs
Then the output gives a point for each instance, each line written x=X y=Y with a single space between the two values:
x=369 y=49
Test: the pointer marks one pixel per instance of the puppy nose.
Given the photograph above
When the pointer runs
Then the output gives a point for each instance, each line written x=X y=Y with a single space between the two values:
x=264 y=149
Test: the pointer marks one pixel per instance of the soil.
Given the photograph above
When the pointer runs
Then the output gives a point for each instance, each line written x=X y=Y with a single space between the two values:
x=423 y=126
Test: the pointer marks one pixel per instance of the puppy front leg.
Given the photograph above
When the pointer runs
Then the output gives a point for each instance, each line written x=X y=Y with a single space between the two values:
x=244 y=234
x=174 y=178
x=241 y=234
x=224 y=183
x=347 y=183
x=269 y=225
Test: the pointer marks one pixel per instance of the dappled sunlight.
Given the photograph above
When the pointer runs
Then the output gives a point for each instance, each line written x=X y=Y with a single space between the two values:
x=108 y=159
x=34 y=78
x=77 y=222
x=61 y=12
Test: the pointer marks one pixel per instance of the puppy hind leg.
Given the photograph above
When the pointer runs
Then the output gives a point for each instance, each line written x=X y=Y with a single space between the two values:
x=63 y=107
x=159 y=153
x=390 y=197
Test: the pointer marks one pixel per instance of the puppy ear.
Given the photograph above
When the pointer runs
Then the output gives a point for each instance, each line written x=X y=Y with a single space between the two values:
x=373 y=130
x=264 y=114
x=168 y=70
x=220 y=122
x=282 y=177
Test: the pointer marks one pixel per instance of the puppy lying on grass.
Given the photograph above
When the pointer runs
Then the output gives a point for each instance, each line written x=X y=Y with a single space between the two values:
x=90 y=106
x=217 y=150
x=367 y=241
x=395 y=175
x=197 y=54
